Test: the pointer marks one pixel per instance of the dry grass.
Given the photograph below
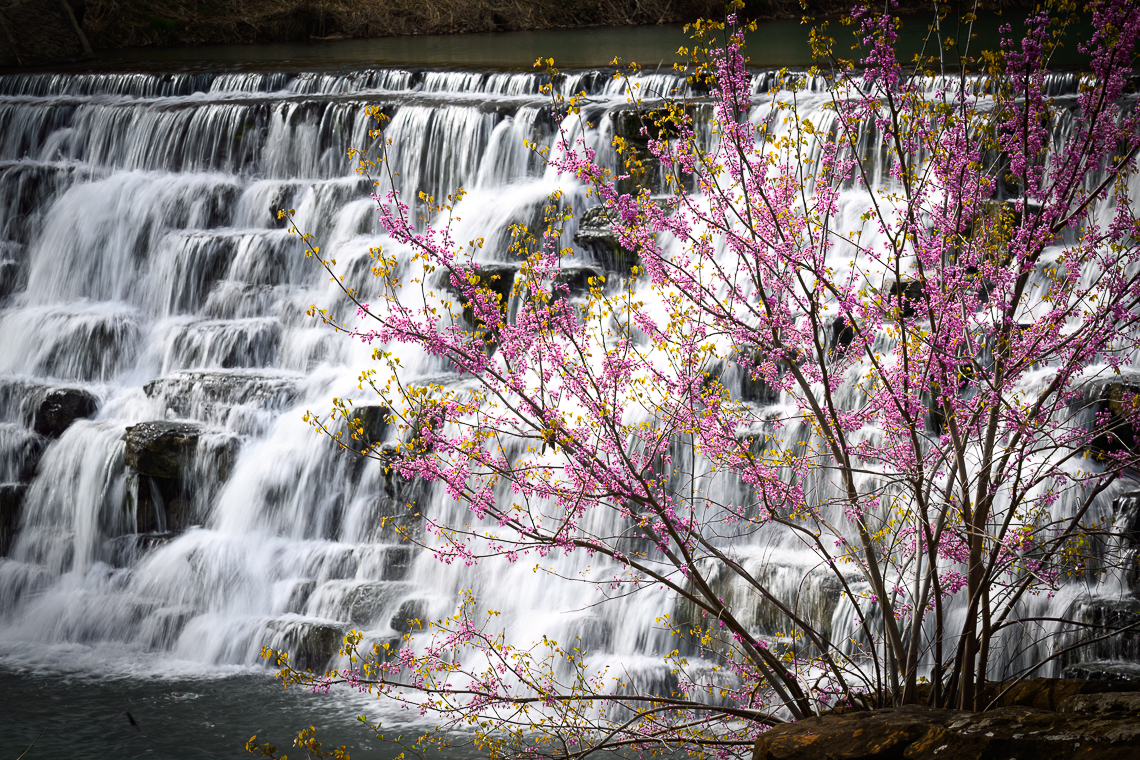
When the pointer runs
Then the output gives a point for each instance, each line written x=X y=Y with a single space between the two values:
x=120 y=23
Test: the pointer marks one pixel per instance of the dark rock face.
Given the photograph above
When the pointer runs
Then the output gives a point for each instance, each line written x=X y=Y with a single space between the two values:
x=60 y=407
x=883 y=733
x=498 y=278
x=12 y=276
x=1126 y=523
x=595 y=235
x=11 y=501
x=1127 y=672
x=1051 y=693
x=168 y=468
x=575 y=281
x=1119 y=615
x=161 y=449
x=405 y=619
x=371 y=425
x=1117 y=434
x=198 y=392
x=1082 y=725
x=310 y=644
x=128 y=550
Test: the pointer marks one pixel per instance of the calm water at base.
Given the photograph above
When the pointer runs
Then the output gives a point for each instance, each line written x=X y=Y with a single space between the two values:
x=85 y=716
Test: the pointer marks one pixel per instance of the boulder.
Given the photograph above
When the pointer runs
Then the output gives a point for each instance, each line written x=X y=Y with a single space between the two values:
x=371 y=424
x=161 y=449
x=167 y=469
x=1052 y=693
x=410 y=616
x=309 y=643
x=919 y=733
x=1106 y=703
x=885 y=733
x=59 y=408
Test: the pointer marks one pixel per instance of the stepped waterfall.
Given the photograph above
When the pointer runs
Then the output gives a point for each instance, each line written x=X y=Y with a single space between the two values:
x=161 y=498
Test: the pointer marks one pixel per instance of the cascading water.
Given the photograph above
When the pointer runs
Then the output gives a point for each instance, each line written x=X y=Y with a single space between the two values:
x=188 y=513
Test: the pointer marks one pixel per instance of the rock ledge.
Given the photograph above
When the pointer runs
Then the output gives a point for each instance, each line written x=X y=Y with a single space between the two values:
x=1088 y=726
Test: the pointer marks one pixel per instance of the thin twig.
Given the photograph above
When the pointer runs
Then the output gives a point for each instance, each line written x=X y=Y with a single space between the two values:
x=29 y=749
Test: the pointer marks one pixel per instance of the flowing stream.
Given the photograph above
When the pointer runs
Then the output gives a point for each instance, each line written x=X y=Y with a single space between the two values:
x=188 y=516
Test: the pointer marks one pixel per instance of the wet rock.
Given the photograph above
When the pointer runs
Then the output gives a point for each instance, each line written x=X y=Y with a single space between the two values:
x=310 y=644
x=11 y=502
x=903 y=297
x=12 y=277
x=1000 y=218
x=883 y=733
x=1052 y=693
x=126 y=551
x=299 y=595
x=1114 y=406
x=1120 y=616
x=196 y=393
x=1126 y=525
x=20 y=453
x=162 y=448
x=60 y=407
x=1127 y=674
x=637 y=128
x=498 y=278
x=370 y=426
x=917 y=733
x=168 y=466
x=161 y=629
x=339 y=562
x=397 y=561
x=596 y=235
x=574 y=282
x=410 y=616
x=1023 y=732
x=1111 y=703
x=365 y=602
x=737 y=376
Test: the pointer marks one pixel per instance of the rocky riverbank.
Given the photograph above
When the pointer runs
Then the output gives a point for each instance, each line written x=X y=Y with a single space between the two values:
x=1037 y=719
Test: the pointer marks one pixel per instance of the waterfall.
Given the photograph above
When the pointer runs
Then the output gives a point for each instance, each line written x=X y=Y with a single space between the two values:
x=186 y=511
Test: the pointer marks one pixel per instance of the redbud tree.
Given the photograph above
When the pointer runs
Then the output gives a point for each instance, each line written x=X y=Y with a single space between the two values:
x=933 y=280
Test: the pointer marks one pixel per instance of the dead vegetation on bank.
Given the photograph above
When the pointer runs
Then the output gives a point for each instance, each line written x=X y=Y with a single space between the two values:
x=123 y=23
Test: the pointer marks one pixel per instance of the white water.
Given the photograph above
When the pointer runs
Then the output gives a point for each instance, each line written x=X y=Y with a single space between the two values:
x=137 y=220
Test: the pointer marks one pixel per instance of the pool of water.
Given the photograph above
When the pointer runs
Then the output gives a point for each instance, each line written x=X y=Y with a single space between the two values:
x=122 y=716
